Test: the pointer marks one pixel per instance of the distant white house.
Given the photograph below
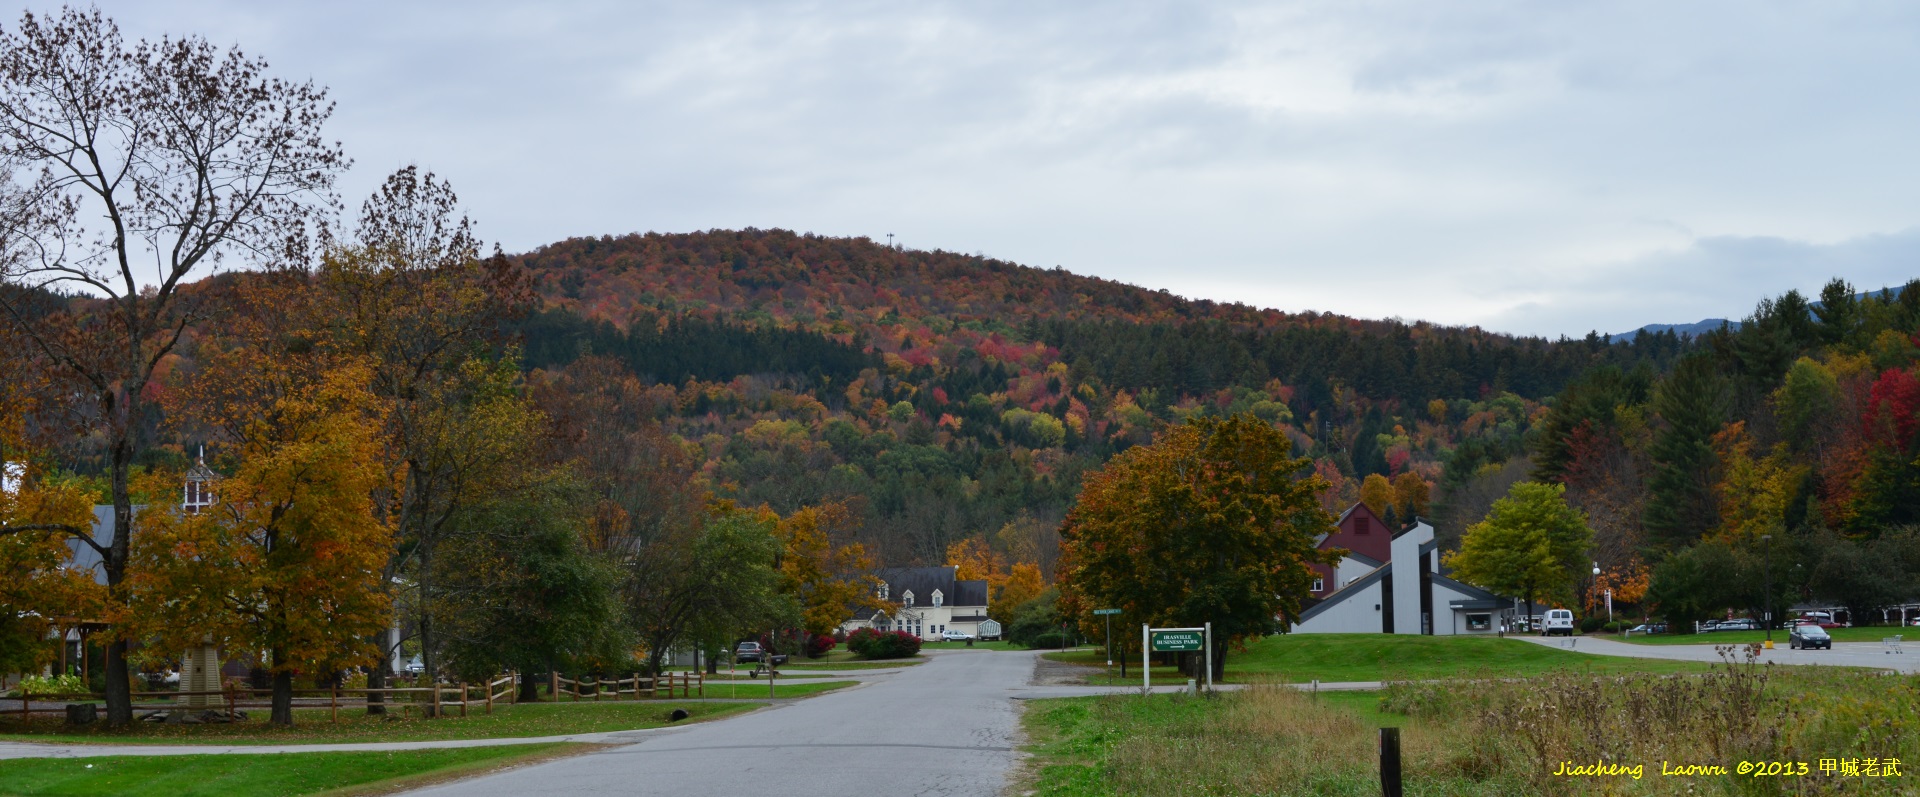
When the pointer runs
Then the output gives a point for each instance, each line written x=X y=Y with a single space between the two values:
x=10 y=475
x=927 y=601
x=1408 y=593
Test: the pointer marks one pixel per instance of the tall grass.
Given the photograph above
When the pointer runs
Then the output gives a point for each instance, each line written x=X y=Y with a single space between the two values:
x=1508 y=737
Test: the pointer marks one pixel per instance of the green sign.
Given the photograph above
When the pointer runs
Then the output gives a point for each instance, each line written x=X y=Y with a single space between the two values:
x=1106 y=611
x=1176 y=641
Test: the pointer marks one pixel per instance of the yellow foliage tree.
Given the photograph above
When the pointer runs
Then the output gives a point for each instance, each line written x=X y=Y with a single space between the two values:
x=1410 y=496
x=1023 y=584
x=1754 y=491
x=289 y=560
x=830 y=582
x=1377 y=493
x=974 y=560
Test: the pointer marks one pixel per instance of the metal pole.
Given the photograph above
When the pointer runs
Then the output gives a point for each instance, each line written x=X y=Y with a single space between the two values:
x=1109 y=640
x=1146 y=663
x=1766 y=600
x=1209 y=643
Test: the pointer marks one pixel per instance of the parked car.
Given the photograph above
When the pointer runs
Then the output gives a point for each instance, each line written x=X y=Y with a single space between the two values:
x=1559 y=621
x=955 y=636
x=1648 y=628
x=1739 y=624
x=1807 y=637
x=748 y=651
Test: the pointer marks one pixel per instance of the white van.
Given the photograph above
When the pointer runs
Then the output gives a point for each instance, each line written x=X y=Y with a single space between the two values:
x=1559 y=621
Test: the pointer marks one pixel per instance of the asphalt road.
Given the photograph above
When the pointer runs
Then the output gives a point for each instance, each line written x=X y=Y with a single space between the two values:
x=946 y=727
x=1843 y=654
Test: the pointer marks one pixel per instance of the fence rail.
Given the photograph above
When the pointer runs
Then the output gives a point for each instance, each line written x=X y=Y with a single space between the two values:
x=433 y=701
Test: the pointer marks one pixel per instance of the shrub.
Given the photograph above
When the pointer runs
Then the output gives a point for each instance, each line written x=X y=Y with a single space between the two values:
x=1591 y=624
x=1050 y=639
x=870 y=644
x=36 y=685
x=819 y=644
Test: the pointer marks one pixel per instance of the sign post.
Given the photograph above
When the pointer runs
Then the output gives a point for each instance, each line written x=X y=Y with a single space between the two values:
x=1174 y=640
x=1109 y=613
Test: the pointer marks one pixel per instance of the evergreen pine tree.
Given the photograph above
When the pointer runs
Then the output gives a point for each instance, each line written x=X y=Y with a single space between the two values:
x=1692 y=404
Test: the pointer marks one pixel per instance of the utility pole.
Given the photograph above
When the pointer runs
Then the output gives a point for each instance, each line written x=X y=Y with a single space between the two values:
x=889 y=240
x=1766 y=600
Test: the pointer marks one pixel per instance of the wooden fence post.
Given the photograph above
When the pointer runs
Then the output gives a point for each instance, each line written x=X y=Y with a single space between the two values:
x=333 y=702
x=553 y=685
x=1390 y=762
x=436 y=697
x=491 y=683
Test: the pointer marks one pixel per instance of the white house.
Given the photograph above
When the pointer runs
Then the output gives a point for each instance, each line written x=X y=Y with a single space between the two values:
x=926 y=601
x=1407 y=594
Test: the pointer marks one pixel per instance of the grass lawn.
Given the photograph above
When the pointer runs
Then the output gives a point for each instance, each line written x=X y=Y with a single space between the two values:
x=1483 y=739
x=1867 y=634
x=757 y=690
x=998 y=644
x=312 y=727
x=1298 y=658
x=262 y=775
x=856 y=664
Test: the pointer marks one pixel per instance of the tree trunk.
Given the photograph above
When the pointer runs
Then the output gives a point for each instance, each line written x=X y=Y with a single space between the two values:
x=377 y=676
x=529 y=689
x=119 y=693
x=282 y=713
x=1219 y=661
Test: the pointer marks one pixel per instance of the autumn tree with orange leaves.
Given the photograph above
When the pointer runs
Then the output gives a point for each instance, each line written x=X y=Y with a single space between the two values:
x=129 y=168
x=1214 y=522
x=289 y=560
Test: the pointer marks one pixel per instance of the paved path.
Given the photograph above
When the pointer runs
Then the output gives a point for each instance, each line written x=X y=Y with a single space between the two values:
x=945 y=727
x=1843 y=654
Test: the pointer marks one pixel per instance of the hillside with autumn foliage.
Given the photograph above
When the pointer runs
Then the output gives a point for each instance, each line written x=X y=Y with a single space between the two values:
x=954 y=397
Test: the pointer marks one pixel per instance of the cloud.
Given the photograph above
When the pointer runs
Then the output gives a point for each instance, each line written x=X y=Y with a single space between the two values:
x=1538 y=168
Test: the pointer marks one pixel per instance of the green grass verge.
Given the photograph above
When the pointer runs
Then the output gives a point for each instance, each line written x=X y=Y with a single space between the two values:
x=1299 y=658
x=887 y=664
x=261 y=775
x=757 y=690
x=508 y=721
x=998 y=644
x=1868 y=634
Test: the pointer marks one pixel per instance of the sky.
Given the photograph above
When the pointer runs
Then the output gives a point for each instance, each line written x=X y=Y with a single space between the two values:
x=1536 y=168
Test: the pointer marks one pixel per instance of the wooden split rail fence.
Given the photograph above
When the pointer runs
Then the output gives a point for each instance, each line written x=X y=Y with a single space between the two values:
x=433 y=701
x=689 y=684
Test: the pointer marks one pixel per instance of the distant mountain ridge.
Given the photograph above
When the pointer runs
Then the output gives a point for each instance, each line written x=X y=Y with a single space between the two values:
x=1707 y=325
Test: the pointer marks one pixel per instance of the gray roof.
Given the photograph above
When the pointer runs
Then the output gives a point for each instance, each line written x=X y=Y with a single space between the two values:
x=1345 y=592
x=1477 y=598
x=1364 y=559
x=922 y=581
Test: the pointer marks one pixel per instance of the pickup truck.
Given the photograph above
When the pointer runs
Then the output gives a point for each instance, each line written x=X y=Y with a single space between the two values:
x=752 y=652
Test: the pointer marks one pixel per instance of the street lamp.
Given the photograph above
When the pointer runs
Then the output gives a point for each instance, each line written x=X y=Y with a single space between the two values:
x=1766 y=599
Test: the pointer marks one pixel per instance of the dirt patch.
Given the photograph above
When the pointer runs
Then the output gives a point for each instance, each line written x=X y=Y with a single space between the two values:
x=1053 y=673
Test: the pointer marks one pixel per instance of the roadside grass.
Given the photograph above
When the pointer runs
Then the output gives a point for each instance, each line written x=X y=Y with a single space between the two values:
x=884 y=664
x=1486 y=738
x=1299 y=658
x=524 y=720
x=998 y=644
x=333 y=774
x=1860 y=634
x=757 y=690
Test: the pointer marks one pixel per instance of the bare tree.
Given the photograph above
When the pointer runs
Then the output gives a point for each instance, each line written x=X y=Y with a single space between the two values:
x=129 y=171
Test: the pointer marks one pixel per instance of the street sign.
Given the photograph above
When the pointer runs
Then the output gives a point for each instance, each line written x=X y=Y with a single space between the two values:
x=1176 y=641
x=1106 y=611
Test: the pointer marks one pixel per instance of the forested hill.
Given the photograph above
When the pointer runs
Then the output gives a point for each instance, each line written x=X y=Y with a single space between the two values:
x=951 y=395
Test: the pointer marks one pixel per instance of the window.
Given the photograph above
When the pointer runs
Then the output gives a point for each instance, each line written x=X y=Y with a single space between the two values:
x=883 y=590
x=907 y=597
x=1319 y=585
x=1362 y=524
x=937 y=597
x=1479 y=622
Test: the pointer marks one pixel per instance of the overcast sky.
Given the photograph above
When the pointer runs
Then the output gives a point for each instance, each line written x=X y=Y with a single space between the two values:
x=1543 y=168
